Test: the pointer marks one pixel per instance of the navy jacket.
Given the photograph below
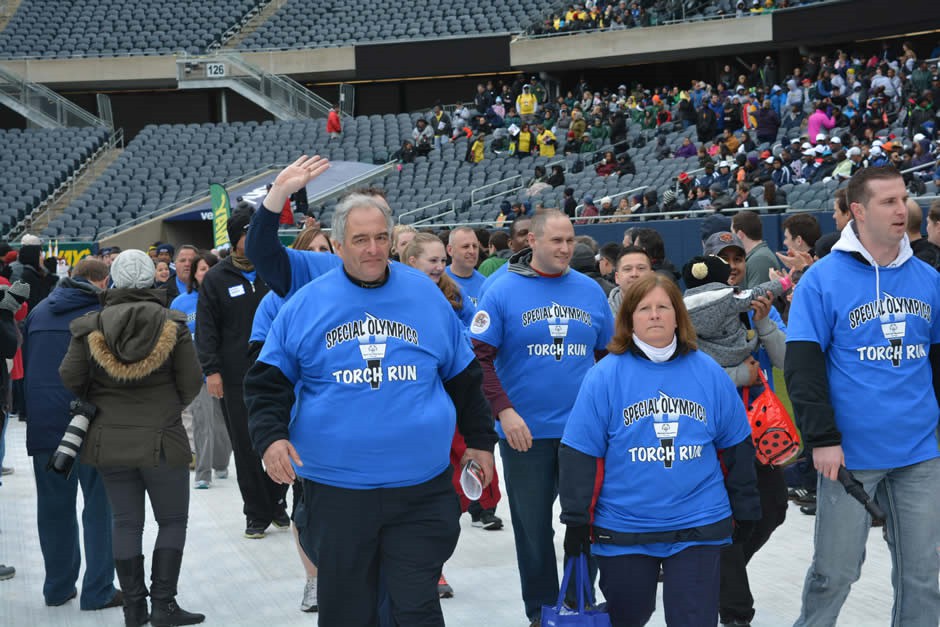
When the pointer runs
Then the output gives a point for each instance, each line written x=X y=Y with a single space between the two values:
x=46 y=339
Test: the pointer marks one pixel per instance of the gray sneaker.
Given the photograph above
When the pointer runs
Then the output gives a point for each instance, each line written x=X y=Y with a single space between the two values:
x=6 y=572
x=309 y=604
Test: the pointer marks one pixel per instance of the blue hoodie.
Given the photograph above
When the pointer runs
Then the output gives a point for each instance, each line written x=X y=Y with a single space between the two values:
x=46 y=339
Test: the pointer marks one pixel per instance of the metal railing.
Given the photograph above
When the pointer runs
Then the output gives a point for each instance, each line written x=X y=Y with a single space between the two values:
x=473 y=192
x=41 y=105
x=426 y=207
x=923 y=166
x=432 y=218
x=224 y=68
x=236 y=28
x=67 y=187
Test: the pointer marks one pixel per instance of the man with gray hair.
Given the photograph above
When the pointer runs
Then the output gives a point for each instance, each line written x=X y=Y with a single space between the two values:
x=361 y=345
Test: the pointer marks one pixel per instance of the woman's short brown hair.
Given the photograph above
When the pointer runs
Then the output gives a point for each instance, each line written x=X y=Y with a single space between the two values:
x=636 y=292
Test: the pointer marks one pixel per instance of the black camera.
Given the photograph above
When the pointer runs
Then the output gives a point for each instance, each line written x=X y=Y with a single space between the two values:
x=82 y=413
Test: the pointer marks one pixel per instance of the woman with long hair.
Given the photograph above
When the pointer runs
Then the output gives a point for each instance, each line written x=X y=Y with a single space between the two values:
x=210 y=437
x=134 y=361
x=426 y=253
x=654 y=413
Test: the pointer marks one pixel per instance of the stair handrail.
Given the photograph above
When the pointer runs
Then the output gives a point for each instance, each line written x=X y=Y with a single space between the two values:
x=64 y=107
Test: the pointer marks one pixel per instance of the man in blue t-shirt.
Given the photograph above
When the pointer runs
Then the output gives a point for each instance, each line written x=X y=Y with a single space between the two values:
x=862 y=368
x=538 y=330
x=357 y=389
x=463 y=247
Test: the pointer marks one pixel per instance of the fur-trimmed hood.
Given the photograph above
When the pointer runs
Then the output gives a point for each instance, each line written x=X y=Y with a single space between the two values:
x=133 y=335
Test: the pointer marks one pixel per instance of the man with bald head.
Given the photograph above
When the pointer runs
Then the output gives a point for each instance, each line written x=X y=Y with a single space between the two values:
x=537 y=332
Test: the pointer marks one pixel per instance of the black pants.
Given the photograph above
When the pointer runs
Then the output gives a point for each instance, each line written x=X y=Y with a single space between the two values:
x=263 y=499
x=168 y=489
x=736 y=599
x=405 y=533
x=690 y=587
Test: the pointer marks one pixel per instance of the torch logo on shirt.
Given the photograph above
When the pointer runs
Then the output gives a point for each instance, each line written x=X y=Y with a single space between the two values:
x=558 y=329
x=372 y=349
x=666 y=427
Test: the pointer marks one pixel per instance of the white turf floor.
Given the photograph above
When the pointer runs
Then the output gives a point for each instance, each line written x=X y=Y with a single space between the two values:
x=235 y=581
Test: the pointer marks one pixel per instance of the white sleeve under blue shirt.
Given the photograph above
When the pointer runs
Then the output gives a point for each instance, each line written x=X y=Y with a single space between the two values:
x=876 y=347
x=545 y=330
x=658 y=427
x=368 y=368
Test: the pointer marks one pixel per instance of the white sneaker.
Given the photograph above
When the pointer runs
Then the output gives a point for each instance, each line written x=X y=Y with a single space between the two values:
x=221 y=474
x=309 y=604
x=202 y=485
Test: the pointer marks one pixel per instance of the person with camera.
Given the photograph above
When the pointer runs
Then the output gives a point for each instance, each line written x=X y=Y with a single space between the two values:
x=11 y=301
x=46 y=339
x=134 y=367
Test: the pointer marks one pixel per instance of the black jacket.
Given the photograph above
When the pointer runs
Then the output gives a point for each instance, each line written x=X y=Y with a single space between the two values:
x=226 y=310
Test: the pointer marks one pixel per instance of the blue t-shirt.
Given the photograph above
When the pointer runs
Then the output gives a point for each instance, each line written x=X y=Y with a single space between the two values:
x=876 y=346
x=546 y=331
x=468 y=311
x=186 y=302
x=307 y=265
x=368 y=368
x=264 y=316
x=470 y=286
x=181 y=287
x=658 y=428
x=488 y=281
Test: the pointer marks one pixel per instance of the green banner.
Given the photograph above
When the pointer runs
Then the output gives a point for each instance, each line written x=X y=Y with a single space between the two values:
x=220 y=213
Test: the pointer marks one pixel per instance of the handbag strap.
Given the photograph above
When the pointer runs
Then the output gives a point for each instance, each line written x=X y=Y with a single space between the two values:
x=746 y=396
x=570 y=568
x=577 y=568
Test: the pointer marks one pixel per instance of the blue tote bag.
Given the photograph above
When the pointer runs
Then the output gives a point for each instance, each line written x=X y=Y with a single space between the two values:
x=560 y=616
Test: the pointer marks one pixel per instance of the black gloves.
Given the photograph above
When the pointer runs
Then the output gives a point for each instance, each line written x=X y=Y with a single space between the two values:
x=743 y=530
x=577 y=540
x=13 y=296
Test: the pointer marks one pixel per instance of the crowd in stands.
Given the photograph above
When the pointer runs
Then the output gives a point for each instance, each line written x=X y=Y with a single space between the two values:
x=621 y=15
x=750 y=136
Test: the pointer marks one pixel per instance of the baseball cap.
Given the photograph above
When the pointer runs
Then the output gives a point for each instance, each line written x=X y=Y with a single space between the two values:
x=853 y=151
x=605 y=200
x=717 y=242
x=919 y=137
x=835 y=140
x=877 y=143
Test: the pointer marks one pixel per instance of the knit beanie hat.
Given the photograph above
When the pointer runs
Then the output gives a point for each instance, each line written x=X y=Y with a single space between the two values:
x=132 y=269
x=702 y=270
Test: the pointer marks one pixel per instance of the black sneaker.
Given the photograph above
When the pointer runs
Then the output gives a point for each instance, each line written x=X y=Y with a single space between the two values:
x=809 y=510
x=281 y=521
x=808 y=499
x=254 y=530
x=487 y=519
x=795 y=494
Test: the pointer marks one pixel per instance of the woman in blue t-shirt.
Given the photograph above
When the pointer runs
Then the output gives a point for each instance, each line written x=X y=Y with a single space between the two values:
x=210 y=437
x=425 y=252
x=640 y=475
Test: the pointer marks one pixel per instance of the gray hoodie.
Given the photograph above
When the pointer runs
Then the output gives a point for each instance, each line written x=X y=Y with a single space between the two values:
x=716 y=308
x=614 y=299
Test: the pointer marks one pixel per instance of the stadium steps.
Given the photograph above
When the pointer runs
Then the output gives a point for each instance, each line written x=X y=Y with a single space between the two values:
x=7 y=11
x=92 y=169
x=254 y=24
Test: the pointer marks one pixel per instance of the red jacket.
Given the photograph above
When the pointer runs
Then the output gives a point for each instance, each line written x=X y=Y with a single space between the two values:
x=333 y=123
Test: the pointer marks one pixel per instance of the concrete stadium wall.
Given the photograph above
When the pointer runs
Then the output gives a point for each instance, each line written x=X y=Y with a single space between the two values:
x=643 y=45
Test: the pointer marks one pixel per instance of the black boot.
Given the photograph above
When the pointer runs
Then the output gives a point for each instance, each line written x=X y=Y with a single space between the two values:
x=130 y=573
x=164 y=574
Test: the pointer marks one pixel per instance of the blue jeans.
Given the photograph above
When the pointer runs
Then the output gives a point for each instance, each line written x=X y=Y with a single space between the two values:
x=58 y=534
x=531 y=481
x=908 y=497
